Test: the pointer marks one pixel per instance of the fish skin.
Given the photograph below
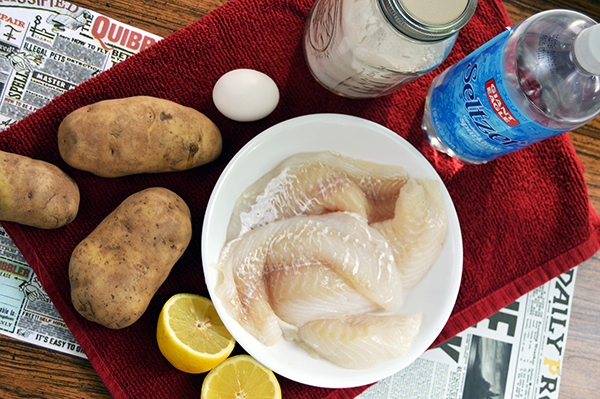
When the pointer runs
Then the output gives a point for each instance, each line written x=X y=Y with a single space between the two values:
x=342 y=241
x=316 y=183
x=360 y=342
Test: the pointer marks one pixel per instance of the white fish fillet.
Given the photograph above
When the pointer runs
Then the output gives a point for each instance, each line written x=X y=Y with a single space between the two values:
x=321 y=243
x=316 y=183
x=360 y=342
x=311 y=292
x=342 y=241
x=418 y=230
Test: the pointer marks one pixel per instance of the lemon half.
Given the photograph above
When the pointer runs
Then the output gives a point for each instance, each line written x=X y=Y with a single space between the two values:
x=240 y=377
x=191 y=335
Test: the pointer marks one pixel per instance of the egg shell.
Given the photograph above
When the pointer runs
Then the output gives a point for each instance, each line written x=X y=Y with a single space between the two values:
x=245 y=95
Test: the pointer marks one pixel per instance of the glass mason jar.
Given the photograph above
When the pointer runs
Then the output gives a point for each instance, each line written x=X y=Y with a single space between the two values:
x=370 y=48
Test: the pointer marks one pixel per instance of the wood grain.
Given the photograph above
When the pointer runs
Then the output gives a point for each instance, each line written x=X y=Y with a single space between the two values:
x=28 y=371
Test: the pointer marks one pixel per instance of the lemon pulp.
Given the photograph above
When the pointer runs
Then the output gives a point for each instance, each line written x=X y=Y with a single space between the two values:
x=240 y=377
x=190 y=334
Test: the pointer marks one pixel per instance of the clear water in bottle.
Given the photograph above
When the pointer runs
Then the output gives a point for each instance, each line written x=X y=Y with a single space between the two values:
x=523 y=86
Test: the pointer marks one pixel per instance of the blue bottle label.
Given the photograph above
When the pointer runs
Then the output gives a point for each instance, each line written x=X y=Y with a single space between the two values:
x=472 y=112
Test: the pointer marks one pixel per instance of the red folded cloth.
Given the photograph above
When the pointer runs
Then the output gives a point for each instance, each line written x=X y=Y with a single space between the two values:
x=525 y=218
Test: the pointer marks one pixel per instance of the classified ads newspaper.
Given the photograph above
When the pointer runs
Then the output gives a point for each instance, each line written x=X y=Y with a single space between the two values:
x=50 y=46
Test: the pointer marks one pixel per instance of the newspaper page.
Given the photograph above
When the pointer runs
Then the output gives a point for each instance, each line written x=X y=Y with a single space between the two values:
x=516 y=353
x=46 y=48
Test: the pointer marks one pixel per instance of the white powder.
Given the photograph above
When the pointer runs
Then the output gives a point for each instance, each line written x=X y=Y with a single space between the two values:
x=367 y=57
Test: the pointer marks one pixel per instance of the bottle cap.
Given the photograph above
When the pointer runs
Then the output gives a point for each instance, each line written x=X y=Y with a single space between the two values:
x=428 y=20
x=587 y=49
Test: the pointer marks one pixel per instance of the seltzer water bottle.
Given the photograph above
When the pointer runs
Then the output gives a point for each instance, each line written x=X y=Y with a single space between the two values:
x=534 y=81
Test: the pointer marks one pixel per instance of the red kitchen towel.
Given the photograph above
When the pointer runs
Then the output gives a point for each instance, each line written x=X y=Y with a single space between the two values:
x=525 y=218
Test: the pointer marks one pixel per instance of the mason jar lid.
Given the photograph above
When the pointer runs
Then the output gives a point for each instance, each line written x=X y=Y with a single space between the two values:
x=428 y=20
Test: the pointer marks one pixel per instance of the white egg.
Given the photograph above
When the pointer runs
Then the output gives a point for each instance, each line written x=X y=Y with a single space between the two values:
x=245 y=95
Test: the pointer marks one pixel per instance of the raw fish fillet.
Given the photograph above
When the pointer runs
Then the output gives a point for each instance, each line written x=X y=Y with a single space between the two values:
x=342 y=241
x=418 y=229
x=360 y=342
x=313 y=291
x=316 y=183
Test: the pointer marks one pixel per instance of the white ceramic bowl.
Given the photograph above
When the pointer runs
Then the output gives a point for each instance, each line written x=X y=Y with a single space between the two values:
x=434 y=296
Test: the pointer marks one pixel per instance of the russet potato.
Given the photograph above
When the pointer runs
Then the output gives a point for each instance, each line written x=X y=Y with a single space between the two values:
x=133 y=135
x=116 y=270
x=36 y=193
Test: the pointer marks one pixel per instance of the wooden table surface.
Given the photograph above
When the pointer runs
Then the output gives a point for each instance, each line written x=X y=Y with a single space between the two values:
x=27 y=371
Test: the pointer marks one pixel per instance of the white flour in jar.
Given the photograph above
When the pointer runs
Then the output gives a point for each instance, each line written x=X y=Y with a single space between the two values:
x=369 y=57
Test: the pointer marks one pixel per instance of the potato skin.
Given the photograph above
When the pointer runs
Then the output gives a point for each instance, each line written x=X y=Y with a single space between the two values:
x=116 y=270
x=134 y=135
x=36 y=193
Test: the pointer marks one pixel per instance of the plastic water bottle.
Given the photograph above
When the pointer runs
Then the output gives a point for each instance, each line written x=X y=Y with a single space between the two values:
x=534 y=81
